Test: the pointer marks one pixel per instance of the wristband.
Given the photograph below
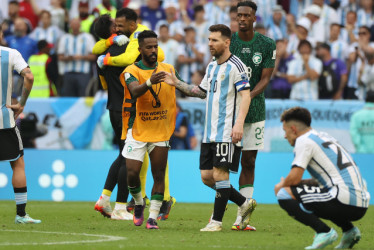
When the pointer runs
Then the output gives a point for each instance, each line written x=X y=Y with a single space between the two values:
x=148 y=82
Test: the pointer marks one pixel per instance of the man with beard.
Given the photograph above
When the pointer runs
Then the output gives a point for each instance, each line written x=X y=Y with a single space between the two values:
x=109 y=78
x=125 y=24
x=258 y=53
x=226 y=87
x=148 y=123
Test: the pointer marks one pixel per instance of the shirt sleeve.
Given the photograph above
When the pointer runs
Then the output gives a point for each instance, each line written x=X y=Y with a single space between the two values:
x=99 y=47
x=129 y=78
x=240 y=77
x=270 y=55
x=19 y=62
x=204 y=83
x=303 y=153
x=317 y=66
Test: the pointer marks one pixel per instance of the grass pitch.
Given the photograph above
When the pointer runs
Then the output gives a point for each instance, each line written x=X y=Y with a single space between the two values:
x=75 y=225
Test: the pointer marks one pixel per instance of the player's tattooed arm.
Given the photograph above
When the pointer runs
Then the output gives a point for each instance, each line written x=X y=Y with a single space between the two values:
x=187 y=89
x=190 y=90
x=27 y=85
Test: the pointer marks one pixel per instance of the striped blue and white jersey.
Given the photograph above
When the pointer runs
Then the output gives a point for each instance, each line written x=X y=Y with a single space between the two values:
x=339 y=49
x=307 y=89
x=70 y=45
x=11 y=60
x=332 y=166
x=222 y=82
x=52 y=34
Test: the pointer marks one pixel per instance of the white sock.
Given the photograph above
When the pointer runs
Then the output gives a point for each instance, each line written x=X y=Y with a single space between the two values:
x=247 y=192
x=105 y=197
x=138 y=198
x=120 y=206
x=217 y=222
x=154 y=209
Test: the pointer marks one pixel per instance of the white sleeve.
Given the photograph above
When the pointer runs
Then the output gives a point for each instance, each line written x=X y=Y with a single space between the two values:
x=366 y=74
x=181 y=50
x=291 y=68
x=204 y=83
x=18 y=62
x=90 y=44
x=61 y=45
x=240 y=77
x=317 y=66
x=303 y=152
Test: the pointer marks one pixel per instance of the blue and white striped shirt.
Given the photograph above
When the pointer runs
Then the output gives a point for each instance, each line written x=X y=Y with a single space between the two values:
x=332 y=166
x=339 y=49
x=222 y=82
x=306 y=89
x=51 y=34
x=10 y=60
x=71 y=45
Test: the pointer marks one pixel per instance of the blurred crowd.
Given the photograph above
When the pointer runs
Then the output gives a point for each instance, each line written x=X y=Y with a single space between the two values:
x=324 y=48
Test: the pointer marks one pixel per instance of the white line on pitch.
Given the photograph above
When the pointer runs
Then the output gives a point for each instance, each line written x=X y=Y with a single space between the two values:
x=106 y=238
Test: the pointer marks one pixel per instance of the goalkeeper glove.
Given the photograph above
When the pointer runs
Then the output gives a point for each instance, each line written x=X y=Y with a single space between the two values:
x=102 y=61
x=119 y=40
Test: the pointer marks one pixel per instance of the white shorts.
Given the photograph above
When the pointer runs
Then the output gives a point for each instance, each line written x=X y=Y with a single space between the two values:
x=135 y=150
x=253 y=136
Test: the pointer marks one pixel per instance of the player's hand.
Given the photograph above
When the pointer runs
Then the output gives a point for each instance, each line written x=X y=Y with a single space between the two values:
x=237 y=133
x=157 y=77
x=102 y=61
x=17 y=109
x=121 y=40
x=171 y=78
x=279 y=186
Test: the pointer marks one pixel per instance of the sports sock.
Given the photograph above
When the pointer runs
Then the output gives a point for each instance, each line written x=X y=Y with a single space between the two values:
x=156 y=202
x=105 y=195
x=247 y=190
x=293 y=209
x=236 y=197
x=143 y=174
x=120 y=206
x=222 y=197
x=167 y=191
x=21 y=200
x=137 y=195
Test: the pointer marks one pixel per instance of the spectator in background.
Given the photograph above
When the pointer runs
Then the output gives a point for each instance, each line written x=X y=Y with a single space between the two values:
x=13 y=14
x=40 y=66
x=47 y=31
x=260 y=28
x=297 y=7
x=75 y=56
x=303 y=73
x=301 y=31
x=264 y=10
x=356 y=56
x=334 y=75
x=217 y=11
x=168 y=44
x=201 y=27
x=181 y=136
x=339 y=48
x=362 y=126
x=151 y=13
x=276 y=26
x=59 y=14
x=172 y=21
x=190 y=55
x=317 y=30
x=365 y=13
x=20 y=40
x=349 y=33
x=105 y=7
x=350 y=5
x=86 y=20
x=327 y=17
x=280 y=87
x=366 y=73
x=26 y=10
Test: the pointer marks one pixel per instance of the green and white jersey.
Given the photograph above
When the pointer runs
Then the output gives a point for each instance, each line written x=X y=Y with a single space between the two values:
x=257 y=54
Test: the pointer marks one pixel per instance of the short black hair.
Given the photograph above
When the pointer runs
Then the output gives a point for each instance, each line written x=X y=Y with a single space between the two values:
x=164 y=26
x=225 y=31
x=250 y=4
x=324 y=46
x=42 y=44
x=233 y=9
x=102 y=26
x=297 y=114
x=365 y=27
x=146 y=34
x=129 y=14
x=198 y=8
x=14 y=2
x=304 y=42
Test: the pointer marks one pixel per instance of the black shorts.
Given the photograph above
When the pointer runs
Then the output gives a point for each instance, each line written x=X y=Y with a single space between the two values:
x=321 y=203
x=11 y=147
x=219 y=154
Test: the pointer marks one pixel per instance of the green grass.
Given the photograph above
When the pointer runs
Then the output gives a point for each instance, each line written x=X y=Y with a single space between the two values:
x=275 y=229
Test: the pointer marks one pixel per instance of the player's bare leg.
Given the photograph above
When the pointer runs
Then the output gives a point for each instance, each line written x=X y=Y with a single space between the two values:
x=158 y=158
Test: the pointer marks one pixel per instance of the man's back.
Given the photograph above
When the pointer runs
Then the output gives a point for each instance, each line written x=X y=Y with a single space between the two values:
x=332 y=166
